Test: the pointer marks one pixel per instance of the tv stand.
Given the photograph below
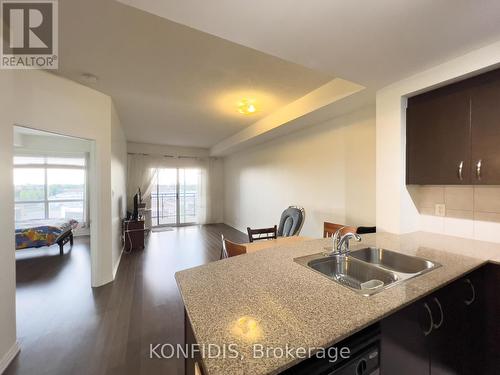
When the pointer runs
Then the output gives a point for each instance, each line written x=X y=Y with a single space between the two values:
x=133 y=235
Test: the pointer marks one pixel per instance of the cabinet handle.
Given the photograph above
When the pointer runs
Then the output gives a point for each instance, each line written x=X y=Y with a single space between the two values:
x=479 y=164
x=473 y=298
x=438 y=325
x=431 y=321
x=460 y=171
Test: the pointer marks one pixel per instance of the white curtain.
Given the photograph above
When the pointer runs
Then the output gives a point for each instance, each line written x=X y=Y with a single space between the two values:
x=142 y=173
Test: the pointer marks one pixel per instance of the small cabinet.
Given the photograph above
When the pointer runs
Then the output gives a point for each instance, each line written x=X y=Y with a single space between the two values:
x=485 y=130
x=438 y=138
x=473 y=297
x=457 y=344
x=442 y=334
x=404 y=342
x=490 y=317
x=445 y=340
x=452 y=134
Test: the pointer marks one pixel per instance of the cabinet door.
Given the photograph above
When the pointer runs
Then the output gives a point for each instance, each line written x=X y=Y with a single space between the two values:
x=473 y=301
x=404 y=342
x=438 y=137
x=447 y=338
x=490 y=315
x=485 y=118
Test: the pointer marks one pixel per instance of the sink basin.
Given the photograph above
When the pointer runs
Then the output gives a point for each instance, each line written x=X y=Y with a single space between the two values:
x=393 y=261
x=368 y=270
x=354 y=274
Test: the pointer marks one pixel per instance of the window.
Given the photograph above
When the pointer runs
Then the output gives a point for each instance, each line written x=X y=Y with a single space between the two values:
x=50 y=187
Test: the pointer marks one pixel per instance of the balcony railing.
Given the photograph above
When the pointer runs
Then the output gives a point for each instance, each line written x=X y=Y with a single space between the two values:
x=164 y=208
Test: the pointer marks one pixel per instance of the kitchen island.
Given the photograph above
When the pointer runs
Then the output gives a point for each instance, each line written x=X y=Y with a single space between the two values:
x=267 y=299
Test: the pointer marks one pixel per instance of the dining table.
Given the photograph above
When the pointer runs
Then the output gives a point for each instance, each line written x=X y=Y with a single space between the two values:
x=255 y=246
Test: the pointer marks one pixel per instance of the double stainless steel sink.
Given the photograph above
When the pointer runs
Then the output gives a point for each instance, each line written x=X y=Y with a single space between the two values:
x=368 y=270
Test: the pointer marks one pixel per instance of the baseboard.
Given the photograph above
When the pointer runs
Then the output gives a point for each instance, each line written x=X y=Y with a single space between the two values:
x=115 y=270
x=8 y=357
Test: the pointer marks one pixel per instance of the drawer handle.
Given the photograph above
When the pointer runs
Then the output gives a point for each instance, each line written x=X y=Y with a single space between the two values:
x=479 y=164
x=438 y=325
x=473 y=290
x=431 y=321
x=460 y=171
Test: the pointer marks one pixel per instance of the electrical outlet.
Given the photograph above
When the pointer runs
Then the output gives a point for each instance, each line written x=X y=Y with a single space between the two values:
x=440 y=209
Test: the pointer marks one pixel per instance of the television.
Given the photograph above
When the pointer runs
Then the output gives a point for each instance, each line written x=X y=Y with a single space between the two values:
x=137 y=201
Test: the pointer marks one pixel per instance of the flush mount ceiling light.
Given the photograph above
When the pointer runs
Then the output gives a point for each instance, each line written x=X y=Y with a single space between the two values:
x=245 y=103
x=89 y=78
x=247 y=106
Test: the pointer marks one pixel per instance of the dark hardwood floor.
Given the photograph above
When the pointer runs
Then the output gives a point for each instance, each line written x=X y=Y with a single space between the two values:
x=66 y=327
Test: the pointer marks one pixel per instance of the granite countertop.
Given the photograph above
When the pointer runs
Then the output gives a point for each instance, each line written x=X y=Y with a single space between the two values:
x=266 y=298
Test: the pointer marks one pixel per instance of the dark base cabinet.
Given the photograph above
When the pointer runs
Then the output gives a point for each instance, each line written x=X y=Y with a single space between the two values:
x=473 y=294
x=133 y=234
x=452 y=331
x=404 y=347
x=491 y=317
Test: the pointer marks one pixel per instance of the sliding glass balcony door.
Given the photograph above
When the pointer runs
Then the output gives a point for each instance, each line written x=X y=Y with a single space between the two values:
x=175 y=196
x=164 y=197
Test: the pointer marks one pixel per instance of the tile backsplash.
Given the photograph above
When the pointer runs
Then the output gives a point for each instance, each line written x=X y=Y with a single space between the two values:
x=466 y=202
x=470 y=211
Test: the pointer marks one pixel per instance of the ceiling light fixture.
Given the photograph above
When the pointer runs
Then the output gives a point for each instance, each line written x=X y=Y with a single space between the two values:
x=89 y=78
x=247 y=106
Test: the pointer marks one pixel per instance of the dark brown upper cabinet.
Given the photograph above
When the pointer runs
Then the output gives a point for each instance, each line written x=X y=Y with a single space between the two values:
x=453 y=134
x=438 y=138
x=485 y=125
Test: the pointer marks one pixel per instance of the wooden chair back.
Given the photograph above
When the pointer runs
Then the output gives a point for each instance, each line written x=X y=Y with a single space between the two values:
x=231 y=249
x=262 y=234
x=329 y=229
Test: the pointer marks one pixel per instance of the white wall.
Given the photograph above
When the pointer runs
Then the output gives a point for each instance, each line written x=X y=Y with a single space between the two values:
x=8 y=346
x=118 y=185
x=328 y=168
x=47 y=102
x=396 y=211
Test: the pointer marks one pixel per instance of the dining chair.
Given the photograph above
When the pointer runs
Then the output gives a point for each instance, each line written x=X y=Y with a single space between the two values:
x=366 y=230
x=262 y=234
x=329 y=229
x=231 y=249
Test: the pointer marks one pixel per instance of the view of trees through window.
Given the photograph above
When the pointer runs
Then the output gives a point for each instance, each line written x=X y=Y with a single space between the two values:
x=49 y=188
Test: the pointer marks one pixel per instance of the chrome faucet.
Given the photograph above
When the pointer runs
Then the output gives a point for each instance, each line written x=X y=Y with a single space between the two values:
x=341 y=242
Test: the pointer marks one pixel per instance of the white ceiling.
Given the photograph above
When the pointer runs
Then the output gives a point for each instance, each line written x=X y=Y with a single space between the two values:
x=370 y=42
x=172 y=84
x=176 y=69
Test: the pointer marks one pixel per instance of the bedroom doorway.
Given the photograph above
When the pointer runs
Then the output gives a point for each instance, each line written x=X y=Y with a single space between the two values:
x=53 y=179
x=175 y=197
x=51 y=174
x=51 y=187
